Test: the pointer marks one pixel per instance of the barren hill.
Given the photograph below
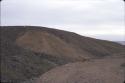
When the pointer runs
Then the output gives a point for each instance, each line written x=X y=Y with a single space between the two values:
x=29 y=51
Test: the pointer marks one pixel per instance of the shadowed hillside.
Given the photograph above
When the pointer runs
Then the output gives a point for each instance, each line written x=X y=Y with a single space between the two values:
x=28 y=52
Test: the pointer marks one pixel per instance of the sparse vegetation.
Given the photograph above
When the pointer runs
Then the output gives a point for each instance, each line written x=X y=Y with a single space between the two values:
x=20 y=62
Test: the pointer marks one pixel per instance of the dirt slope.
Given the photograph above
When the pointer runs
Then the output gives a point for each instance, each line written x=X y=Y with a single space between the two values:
x=44 y=42
x=96 y=71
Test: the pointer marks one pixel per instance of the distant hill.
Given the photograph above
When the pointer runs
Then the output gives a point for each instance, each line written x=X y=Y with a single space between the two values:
x=30 y=51
x=121 y=42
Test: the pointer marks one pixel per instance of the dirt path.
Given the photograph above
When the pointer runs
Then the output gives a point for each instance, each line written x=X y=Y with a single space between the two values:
x=109 y=70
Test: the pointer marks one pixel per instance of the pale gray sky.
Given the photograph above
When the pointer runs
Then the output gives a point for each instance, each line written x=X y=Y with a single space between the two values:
x=95 y=18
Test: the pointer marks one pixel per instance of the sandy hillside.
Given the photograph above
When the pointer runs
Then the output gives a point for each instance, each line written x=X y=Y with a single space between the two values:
x=44 y=42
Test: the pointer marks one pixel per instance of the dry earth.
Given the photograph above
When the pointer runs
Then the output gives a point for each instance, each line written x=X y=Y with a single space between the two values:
x=44 y=42
x=93 y=71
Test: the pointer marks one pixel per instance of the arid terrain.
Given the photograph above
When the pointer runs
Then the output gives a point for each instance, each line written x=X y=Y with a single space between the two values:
x=96 y=71
x=31 y=54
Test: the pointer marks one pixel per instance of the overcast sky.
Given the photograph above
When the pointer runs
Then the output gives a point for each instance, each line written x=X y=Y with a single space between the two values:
x=95 y=18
